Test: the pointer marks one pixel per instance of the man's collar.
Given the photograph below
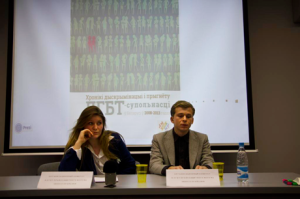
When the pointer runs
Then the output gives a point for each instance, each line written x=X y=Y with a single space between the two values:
x=185 y=137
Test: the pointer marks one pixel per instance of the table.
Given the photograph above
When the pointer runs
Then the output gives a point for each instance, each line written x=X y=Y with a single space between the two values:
x=261 y=185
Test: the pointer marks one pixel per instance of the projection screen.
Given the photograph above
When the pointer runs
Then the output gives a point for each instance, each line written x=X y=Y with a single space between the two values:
x=132 y=58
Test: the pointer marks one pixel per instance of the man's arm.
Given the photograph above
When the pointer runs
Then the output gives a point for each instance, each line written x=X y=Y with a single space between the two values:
x=156 y=158
x=206 y=157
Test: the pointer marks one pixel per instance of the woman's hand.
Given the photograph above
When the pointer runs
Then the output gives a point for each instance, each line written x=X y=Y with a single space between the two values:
x=84 y=136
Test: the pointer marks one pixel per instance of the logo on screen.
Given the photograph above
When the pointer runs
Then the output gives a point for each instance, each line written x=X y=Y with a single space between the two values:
x=163 y=126
x=18 y=127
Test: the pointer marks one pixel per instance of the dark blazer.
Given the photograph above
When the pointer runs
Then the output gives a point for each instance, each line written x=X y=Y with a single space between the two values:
x=163 y=151
x=70 y=161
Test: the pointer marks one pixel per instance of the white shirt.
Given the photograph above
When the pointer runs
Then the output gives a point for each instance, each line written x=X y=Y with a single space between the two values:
x=99 y=160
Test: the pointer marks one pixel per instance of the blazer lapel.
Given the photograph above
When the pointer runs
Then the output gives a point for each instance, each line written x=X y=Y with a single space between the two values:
x=170 y=148
x=193 y=148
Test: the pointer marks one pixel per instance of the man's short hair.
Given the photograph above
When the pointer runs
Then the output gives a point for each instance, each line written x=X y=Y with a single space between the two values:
x=182 y=104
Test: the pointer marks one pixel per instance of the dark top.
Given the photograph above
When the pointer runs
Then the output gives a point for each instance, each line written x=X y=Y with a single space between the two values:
x=182 y=150
x=70 y=161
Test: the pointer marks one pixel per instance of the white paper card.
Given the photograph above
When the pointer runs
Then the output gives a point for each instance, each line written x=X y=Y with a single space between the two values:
x=102 y=178
x=66 y=180
x=193 y=178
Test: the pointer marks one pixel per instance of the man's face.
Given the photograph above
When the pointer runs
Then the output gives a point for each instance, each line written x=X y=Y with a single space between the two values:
x=182 y=120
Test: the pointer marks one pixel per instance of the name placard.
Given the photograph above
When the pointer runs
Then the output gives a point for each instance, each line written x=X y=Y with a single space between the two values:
x=65 y=180
x=193 y=178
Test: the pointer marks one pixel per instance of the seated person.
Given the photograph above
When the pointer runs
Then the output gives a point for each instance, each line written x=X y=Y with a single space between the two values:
x=180 y=147
x=90 y=146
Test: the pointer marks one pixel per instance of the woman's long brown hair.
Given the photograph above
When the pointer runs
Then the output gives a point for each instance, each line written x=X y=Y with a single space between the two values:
x=83 y=119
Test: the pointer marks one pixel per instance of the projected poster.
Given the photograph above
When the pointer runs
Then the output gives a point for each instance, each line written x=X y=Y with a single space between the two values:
x=132 y=47
x=125 y=59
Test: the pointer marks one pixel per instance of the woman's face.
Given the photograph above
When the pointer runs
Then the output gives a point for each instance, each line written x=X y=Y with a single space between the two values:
x=95 y=125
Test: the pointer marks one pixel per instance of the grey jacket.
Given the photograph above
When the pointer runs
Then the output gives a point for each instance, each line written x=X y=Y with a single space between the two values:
x=163 y=151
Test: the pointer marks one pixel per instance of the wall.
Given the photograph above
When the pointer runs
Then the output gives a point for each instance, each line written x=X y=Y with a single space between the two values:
x=275 y=60
x=275 y=67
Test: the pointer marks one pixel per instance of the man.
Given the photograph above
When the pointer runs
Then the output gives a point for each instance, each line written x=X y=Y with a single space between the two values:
x=180 y=147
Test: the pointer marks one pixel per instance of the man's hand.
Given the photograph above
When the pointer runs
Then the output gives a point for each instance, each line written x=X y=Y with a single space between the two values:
x=176 y=167
x=201 y=167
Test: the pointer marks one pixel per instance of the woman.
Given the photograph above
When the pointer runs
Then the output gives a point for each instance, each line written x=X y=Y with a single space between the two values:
x=90 y=146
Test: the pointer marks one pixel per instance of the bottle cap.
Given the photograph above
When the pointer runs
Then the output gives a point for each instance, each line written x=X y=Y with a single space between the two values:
x=241 y=144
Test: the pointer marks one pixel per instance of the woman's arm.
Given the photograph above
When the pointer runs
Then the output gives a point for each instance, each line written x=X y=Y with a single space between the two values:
x=127 y=164
x=69 y=161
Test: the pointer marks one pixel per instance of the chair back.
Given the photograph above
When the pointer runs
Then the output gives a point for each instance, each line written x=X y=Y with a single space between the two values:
x=53 y=166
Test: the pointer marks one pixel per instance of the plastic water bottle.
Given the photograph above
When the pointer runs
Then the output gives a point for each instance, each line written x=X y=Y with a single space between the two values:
x=242 y=164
